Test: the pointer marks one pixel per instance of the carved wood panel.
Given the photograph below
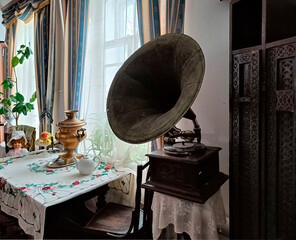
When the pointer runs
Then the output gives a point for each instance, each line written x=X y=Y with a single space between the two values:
x=244 y=180
x=280 y=143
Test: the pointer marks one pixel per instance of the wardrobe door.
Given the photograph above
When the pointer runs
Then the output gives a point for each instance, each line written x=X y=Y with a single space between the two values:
x=280 y=142
x=244 y=164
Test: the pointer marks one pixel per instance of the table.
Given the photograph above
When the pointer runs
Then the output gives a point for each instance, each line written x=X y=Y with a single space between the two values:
x=200 y=221
x=28 y=187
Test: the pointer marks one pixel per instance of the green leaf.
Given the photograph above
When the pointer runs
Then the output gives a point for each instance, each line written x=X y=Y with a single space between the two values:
x=6 y=101
x=12 y=98
x=24 y=110
x=3 y=110
x=22 y=46
x=33 y=98
x=14 y=61
x=19 y=51
x=29 y=106
x=18 y=107
x=19 y=97
x=22 y=59
x=7 y=83
x=27 y=52
x=1 y=93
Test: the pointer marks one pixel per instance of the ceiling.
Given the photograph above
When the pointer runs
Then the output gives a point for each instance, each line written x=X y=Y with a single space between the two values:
x=3 y=3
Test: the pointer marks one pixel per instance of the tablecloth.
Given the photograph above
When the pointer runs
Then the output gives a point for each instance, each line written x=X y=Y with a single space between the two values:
x=199 y=221
x=28 y=187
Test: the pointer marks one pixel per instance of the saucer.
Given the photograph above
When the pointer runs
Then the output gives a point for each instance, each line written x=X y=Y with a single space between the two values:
x=59 y=163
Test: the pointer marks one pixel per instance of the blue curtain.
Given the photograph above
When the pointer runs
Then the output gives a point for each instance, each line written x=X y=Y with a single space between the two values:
x=175 y=16
x=24 y=10
x=75 y=48
x=151 y=26
x=44 y=83
x=148 y=18
x=7 y=69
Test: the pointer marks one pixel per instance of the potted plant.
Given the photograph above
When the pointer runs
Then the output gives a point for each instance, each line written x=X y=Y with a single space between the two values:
x=15 y=103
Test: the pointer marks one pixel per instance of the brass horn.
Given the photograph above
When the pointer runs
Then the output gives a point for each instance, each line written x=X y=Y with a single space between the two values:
x=155 y=88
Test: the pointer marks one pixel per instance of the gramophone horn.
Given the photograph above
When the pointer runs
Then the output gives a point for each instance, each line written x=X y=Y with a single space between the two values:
x=155 y=87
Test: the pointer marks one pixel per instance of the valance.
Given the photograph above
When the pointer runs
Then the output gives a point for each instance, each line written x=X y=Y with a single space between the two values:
x=23 y=10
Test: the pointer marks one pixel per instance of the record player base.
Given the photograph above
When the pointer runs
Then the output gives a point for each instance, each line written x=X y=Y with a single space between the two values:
x=200 y=195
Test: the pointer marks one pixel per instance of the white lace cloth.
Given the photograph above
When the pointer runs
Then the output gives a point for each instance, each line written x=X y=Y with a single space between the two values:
x=199 y=221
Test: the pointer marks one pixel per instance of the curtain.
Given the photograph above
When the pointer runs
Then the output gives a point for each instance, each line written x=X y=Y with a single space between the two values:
x=26 y=73
x=56 y=59
x=21 y=10
x=44 y=78
x=7 y=69
x=158 y=17
x=75 y=48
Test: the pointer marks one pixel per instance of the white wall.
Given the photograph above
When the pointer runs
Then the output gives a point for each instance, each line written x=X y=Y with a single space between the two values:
x=207 y=21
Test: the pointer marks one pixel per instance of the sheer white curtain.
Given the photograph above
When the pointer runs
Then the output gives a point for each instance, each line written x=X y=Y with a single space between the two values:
x=26 y=73
x=112 y=37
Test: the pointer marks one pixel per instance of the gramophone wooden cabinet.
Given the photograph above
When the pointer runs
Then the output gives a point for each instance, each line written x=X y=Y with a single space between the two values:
x=195 y=177
x=263 y=120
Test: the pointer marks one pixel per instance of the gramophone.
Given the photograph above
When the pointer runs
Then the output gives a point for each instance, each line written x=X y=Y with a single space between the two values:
x=150 y=93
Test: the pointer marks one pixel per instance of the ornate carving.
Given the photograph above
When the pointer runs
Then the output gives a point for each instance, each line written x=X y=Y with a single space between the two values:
x=285 y=100
x=280 y=143
x=245 y=145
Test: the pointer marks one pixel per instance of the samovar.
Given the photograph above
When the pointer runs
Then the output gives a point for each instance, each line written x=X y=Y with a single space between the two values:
x=70 y=133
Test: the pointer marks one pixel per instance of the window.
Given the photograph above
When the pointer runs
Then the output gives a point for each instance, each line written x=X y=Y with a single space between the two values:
x=26 y=73
x=112 y=37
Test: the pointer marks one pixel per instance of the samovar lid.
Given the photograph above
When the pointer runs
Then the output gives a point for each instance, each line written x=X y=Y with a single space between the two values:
x=71 y=120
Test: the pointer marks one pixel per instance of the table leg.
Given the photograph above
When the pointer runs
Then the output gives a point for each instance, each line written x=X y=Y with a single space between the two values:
x=101 y=197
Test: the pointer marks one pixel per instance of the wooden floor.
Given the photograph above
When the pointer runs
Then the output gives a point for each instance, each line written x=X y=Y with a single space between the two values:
x=9 y=229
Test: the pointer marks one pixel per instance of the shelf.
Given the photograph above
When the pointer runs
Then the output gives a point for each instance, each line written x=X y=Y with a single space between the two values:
x=246 y=23
x=280 y=20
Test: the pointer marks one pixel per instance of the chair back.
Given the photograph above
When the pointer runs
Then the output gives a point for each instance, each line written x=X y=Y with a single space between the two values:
x=136 y=213
x=30 y=133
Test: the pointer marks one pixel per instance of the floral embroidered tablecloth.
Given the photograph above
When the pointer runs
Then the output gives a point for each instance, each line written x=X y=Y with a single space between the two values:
x=28 y=187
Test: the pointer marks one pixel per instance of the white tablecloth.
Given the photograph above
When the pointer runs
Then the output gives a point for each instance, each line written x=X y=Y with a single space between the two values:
x=28 y=187
x=199 y=221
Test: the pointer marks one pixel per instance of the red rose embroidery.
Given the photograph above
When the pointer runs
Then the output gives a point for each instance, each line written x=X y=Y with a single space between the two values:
x=22 y=188
x=45 y=188
x=98 y=175
x=53 y=194
x=49 y=170
x=75 y=183
x=108 y=167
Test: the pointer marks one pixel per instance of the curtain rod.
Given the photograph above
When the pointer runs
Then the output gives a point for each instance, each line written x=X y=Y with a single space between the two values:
x=8 y=5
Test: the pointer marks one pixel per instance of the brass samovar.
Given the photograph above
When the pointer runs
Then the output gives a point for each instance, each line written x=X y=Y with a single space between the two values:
x=70 y=133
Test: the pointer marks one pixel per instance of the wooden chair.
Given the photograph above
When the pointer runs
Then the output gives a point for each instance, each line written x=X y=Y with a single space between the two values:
x=30 y=133
x=119 y=221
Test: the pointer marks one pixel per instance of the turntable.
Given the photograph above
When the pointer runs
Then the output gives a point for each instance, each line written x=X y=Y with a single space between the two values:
x=150 y=93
